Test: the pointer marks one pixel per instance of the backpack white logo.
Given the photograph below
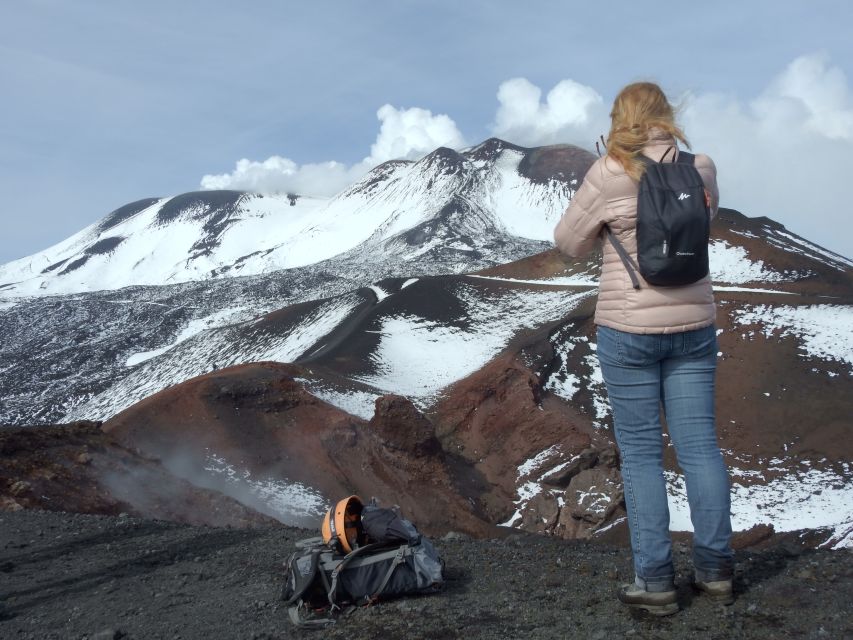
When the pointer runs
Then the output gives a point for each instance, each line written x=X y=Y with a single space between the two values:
x=683 y=196
x=684 y=253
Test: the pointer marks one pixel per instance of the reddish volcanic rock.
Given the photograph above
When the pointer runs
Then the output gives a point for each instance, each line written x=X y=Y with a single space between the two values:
x=494 y=420
x=257 y=411
x=260 y=420
x=401 y=426
x=559 y=162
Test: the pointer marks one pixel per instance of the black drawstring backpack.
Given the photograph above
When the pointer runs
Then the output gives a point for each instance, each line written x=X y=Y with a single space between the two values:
x=673 y=224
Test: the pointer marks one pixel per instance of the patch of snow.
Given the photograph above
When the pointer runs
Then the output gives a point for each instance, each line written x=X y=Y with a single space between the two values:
x=806 y=248
x=566 y=388
x=752 y=290
x=559 y=467
x=530 y=465
x=809 y=499
x=730 y=264
x=563 y=382
x=408 y=282
x=595 y=501
x=355 y=402
x=142 y=356
x=526 y=492
x=745 y=473
x=825 y=331
x=745 y=234
x=616 y=522
x=598 y=389
x=381 y=294
x=292 y=503
x=196 y=326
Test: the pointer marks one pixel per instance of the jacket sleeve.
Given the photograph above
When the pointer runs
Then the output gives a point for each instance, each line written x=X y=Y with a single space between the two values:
x=577 y=231
x=708 y=170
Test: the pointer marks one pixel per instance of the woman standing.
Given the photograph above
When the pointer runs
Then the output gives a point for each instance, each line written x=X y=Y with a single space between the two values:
x=656 y=346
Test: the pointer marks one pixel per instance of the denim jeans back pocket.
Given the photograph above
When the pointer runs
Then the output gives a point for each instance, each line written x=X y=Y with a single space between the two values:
x=628 y=349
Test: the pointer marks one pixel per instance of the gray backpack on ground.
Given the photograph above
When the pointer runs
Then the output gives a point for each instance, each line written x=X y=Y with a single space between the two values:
x=397 y=561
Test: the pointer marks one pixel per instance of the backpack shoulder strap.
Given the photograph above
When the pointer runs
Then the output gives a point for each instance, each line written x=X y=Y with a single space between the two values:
x=685 y=157
x=626 y=259
x=398 y=559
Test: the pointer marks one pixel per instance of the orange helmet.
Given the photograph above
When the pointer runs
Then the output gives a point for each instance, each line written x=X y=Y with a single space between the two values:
x=342 y=524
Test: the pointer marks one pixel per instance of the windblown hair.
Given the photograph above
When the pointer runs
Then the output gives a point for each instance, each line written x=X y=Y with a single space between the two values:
x=639 y=108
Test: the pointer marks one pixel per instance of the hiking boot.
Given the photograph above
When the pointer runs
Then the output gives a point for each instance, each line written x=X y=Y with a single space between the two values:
x=720 y=591
x=658 y=603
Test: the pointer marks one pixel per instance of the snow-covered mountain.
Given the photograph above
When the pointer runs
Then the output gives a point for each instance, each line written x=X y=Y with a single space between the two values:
x=450 y=202
x=433 y=280
x=217 y=258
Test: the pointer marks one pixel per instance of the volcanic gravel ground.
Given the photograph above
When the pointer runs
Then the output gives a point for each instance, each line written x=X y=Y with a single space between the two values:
x=79 y=576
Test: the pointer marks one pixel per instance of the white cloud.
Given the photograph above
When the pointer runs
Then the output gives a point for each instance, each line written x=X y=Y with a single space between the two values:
x=278 y=174
x=813 y=89
x=412 y=133
x=785 y=154
x=572 y=112
x=403 y=133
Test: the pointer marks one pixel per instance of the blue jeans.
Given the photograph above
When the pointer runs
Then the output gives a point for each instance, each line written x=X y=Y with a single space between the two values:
x=643 y=372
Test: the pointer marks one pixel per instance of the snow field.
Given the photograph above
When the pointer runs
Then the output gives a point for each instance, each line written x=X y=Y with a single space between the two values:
x=155 y=254
x=418 y=357
x=223 y=347
x=355 y=402
x=524 y=208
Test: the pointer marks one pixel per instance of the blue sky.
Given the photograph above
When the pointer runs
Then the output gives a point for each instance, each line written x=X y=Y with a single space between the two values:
x=109 y=102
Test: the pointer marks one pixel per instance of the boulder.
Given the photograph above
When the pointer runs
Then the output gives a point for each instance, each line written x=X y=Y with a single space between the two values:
x=401 y=426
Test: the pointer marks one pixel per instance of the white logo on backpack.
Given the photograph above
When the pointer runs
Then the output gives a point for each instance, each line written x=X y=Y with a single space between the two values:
x=683 y=196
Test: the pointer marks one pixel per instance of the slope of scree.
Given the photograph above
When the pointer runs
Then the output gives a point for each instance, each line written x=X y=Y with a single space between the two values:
x=76 y=576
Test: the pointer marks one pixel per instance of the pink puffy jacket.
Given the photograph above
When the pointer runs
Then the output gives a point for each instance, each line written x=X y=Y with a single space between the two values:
x=609 y=196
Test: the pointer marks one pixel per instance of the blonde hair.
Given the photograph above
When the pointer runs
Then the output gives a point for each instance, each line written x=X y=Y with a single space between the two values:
x=638 y=108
